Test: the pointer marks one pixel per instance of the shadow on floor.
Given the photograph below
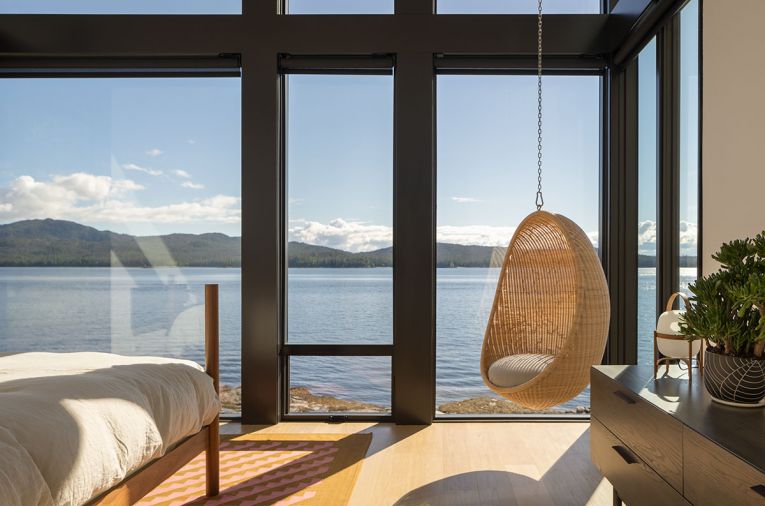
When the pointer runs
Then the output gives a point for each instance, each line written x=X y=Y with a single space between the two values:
x=566 y=483
x=474 y=488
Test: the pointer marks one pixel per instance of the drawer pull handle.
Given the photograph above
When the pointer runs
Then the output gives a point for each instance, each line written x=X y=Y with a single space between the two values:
x=760 y=489
x=626 y=398
x=625 y=454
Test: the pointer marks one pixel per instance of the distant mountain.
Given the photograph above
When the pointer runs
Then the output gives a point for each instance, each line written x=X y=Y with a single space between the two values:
x=57 y=243
x=308 y=255
x=650 y=261
x=447 y=255
x=64 y=243
x=458 y=255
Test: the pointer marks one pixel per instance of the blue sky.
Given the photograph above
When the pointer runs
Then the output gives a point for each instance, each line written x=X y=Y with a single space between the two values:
x=647 y=147
x=689 y=136
x=142 y=156
x=487 y=151
x=340 y=147
x=295 y=6
x=170 y=150
x=155 y=156
x=689 y=112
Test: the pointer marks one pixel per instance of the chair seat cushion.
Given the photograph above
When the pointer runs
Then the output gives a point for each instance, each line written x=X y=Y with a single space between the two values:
x=515 y=370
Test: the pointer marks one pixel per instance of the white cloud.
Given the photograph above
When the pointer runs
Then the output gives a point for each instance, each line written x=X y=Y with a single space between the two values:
x=465 y=200
x=87 y=198
x=480 y=235
x=191 y=141
x=62 y=196
x=342 y=234
x=154 y=152
x=192 y=185
x=218 y=209
x=138 y=168
x=182 y=173
x=647 y=238
x=593 y=236
x=84 y=186
x=357 y=236
x=689 y=233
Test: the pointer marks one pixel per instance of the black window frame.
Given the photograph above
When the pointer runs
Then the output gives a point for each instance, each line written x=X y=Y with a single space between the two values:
x=417 y=37
x=467 y=66
x=349 y=65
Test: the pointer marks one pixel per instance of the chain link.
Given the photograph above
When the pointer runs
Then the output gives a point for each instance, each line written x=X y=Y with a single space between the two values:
x=540 y=201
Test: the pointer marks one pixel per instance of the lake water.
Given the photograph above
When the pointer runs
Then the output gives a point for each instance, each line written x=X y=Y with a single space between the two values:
x=159 y=312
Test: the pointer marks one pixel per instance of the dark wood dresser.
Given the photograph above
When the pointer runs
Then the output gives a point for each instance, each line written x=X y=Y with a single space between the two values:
x=664 y=442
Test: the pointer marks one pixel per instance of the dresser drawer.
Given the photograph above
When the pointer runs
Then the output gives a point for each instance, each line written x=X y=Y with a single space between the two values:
x=654 y=436
x=635 y=481
x=714 y=476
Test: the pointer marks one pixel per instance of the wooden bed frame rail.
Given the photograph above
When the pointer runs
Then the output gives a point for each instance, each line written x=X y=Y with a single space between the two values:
x=207 y=440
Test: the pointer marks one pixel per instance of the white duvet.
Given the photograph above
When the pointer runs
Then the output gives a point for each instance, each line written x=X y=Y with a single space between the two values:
x=73 y=425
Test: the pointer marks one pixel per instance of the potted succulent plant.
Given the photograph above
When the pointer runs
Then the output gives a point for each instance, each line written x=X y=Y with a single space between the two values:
x=728 y=311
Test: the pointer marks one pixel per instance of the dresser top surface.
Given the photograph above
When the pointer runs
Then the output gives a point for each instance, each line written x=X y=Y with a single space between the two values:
x=741 y=431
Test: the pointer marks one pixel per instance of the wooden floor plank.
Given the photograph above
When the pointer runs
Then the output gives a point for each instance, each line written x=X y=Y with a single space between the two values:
x=505 y=464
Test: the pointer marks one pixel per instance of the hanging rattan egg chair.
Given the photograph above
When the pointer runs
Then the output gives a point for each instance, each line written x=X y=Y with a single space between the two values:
x=550 y=317
x=549 y=321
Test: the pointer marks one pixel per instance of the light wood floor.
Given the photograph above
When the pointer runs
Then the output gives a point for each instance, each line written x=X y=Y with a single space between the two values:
x=509 y=464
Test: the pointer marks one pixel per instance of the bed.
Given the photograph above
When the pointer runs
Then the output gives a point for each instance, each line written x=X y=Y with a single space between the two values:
x=97 y=428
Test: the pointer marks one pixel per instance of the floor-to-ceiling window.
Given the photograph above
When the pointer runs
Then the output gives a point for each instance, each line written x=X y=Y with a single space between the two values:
x=319 y=313
x=668 y=140
x=689 y=144
x=647 y=171
x=487 y=183
x=119 y=200
x=340 y=236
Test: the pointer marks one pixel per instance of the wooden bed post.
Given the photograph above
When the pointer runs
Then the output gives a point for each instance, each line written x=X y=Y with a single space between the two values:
x=212 y=369
x=143 y=481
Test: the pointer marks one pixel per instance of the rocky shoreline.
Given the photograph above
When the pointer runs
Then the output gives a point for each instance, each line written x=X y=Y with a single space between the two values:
x=494 y=406
x=303 y=401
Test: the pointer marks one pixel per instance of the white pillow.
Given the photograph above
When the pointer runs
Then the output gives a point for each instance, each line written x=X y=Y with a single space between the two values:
x=515 y=370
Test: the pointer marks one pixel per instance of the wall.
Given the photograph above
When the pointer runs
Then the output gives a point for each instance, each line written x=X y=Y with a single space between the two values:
x=733 y=132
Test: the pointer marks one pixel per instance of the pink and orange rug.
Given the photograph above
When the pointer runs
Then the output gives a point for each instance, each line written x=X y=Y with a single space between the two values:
x=282 y=469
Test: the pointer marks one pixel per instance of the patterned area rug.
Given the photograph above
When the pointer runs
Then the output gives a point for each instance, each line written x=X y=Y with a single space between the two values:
x=283 y=469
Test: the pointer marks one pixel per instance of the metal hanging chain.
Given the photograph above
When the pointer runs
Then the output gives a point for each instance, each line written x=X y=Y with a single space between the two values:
x=540 y=201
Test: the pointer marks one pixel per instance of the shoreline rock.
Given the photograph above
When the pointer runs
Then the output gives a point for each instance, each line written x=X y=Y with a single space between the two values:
x=303 y=401
x=495 y=406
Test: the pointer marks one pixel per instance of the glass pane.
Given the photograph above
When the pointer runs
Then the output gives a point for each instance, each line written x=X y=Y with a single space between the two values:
x=340 y=385
x=120 y=6
x=119 y=200
x=517 y=6
x=689 y=142
x=487 y=180
x=647 y=160
x=340 y=6
x=340 y=205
